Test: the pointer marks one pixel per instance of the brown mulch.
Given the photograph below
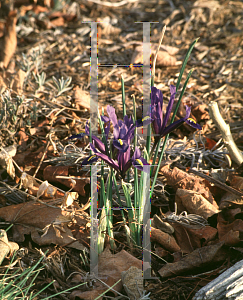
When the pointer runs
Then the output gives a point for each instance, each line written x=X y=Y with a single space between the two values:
x=57 y=42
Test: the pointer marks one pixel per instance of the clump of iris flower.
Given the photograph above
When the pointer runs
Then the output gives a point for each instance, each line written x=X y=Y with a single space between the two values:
x=123 y=133
x=159 y=122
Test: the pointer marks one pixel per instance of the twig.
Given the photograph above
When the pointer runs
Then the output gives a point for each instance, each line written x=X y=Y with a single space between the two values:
x=42 y=158
x=225 y=131
x=156 y=53
x=117 y=4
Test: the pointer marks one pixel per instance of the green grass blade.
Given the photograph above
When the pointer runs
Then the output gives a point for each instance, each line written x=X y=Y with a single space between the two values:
x=31 y=283
x=159 y=163
x=131 y=212
x=42 y=290
x=185 y=62
x=155 y=156
x=67 y=290
x=101 y=295
x=123 y=96
x=102 y=230
x=182 y=93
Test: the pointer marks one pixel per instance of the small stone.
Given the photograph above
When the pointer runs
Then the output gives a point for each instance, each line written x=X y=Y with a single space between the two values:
x=133 y=282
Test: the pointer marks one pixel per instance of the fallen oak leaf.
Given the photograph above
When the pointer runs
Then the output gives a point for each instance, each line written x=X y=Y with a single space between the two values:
x=229 y=232
x=199 y=258
x=35 y=218
x=81 y=98
x=191 y=237
x=195 y=203
x=165 y=55
x=183 y=180
x=6 y=246
x=228 y=198
x=8 y=42
x=110 y=267
x=55 y=174
x=164 y=239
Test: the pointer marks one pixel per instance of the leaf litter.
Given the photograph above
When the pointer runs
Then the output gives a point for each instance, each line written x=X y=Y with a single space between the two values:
x=42 y=105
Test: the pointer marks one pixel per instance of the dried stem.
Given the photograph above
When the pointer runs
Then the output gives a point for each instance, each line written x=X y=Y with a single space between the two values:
x=224 y=128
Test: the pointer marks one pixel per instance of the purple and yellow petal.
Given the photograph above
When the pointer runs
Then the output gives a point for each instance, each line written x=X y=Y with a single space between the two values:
x=193 y=123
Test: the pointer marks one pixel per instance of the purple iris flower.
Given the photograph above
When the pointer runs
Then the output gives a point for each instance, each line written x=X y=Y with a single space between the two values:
x=123 y=133
x=159 y=123
x=123 y=130
x=123 y=163
x=96 y=141
x=137 y=160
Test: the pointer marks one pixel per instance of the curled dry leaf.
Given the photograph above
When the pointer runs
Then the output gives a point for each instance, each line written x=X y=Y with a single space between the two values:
x=160 y=251
x=3 y=84
x=44 y=187
x=165 y=55
x=180 y=179
x=110 y=267
x=18 y=81
x=231 y=238
x=27 y=181
x=200 y=112
x=195 y=203
x=69 y=198
x=6 y=162
x=52 y=173
x=6 y=246
x=164 y=239
x=23 y=138
x=229 y=232
x=81 y=98
x=46 y=225
x=109 y=29
x=163 y=226
x=8 y=42
x=191 y=237
x=229 y=198
x=194 y=261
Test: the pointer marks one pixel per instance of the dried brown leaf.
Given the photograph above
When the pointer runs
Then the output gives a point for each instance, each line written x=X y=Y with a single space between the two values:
x=110 y=267
x=81 y=98
x=51 y=174
x=195 y=203
x=46 y=225
x=194 y=261
x=183 y=180
x=164 y=239
x=229 y=232
x=229 y=198
x=8 y=42
x=190 y=239
x=165 y=55
x=6 y=246
x=18 y=81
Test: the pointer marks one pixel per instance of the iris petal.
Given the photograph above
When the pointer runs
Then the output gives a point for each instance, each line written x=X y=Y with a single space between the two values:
x=193 y=123
x=169 y=107
x=178 y=123
x=89 y=160
x=121 y=145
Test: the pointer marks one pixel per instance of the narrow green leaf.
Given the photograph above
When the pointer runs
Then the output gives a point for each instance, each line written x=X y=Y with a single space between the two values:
x=185 y=62
x=182 y=93
x=123 y=96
